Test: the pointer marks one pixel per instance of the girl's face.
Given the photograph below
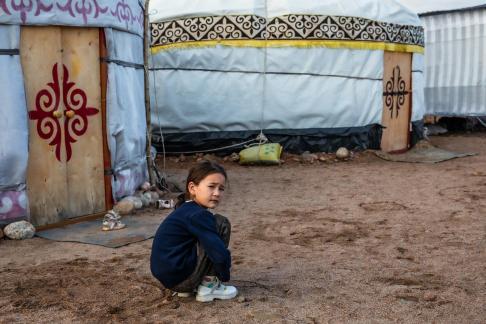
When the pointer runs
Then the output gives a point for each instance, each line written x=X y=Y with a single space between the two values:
x=209 y=191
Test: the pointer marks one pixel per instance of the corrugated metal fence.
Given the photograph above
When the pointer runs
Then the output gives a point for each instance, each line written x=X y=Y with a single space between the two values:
x=455 y=63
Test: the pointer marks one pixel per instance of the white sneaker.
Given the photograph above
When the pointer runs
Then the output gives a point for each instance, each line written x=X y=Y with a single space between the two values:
x=112 y=225
x=112 y=222
x=214 y=291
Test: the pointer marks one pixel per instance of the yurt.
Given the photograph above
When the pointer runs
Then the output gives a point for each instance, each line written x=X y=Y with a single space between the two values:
x=311 y=75
x=72 y=111
x=455 y=72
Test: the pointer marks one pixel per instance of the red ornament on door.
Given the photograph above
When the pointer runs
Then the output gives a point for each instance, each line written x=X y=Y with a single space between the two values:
x=47 y=112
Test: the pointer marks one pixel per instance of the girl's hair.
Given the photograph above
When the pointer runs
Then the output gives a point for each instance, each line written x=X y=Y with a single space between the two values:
x=197 y=173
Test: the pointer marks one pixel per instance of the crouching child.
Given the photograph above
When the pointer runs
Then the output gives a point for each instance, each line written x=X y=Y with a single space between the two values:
x=190 y=249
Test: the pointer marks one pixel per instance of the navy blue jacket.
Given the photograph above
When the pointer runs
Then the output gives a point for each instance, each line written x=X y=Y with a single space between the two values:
x=174 y=250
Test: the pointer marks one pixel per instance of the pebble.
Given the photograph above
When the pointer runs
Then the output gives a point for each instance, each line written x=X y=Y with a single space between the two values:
x=124 y=207
x=235 y=157
x=308 y=157
x=343 y=153
x=19 y=230
x=430 y=296
x=145 y=186
x=137 y=201
x=242 y=299
x=154 y=196
x=146 y=199
x=210 y=157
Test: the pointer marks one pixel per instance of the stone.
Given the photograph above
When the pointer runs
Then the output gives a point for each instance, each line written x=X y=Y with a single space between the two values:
x=395 y=290
x=242 y=299
x=234 y=157
x=124 y=207
x=154 y=196
x=145 y=186
x=19 y=230
x=307 y=157
x=137 y=201
x=146 y=199
x=343 y=153
x=182 y=158
x=210 y=157
x=430 y=296
x=324 y=157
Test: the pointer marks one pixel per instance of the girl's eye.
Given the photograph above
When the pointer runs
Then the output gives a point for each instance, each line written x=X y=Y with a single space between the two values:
x=221 y=189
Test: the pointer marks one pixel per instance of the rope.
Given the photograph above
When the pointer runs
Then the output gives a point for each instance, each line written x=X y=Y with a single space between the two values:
x=265 y=64
x=481 y=121
x=162 y=177
x=220 y=148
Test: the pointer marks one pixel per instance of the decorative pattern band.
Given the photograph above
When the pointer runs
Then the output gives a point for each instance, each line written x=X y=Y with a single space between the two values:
x=288 y=30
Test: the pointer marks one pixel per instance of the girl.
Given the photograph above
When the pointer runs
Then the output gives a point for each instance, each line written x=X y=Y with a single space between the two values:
x=190 y=249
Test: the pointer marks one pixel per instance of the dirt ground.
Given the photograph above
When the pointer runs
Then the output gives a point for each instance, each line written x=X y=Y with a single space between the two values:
x=363 y=241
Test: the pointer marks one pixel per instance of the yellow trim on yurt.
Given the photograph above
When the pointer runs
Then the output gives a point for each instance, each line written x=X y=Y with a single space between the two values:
x=360 y=45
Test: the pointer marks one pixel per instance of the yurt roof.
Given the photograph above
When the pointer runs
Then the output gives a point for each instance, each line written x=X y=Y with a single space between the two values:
x=123 y=15
x=431 y=7
x=390 y=11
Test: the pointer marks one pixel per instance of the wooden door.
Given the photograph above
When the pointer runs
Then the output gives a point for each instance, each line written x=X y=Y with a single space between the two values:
x=397 y=107
x=61 y=70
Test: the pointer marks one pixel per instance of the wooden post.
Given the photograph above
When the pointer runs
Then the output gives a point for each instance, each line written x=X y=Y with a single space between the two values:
x=106 y=152
x=146 y=50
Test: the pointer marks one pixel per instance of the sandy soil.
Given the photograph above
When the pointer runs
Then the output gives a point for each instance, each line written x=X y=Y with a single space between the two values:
x=364 y=241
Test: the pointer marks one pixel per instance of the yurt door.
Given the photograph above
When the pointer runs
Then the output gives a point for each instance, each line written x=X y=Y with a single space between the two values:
x=61 y=68
x=396 y=102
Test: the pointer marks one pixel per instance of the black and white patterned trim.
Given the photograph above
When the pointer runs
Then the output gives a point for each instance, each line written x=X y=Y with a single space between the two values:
x=288 y=27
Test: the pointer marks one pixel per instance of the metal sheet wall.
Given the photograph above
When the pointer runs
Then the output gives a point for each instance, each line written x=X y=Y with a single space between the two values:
x=455 y=83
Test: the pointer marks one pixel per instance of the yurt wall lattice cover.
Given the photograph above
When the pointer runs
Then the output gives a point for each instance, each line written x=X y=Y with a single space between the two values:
x=312 y=75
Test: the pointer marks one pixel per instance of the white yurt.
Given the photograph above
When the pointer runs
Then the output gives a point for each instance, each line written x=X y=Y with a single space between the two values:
x=455 y=72
x=72 y=111
x=311 y=75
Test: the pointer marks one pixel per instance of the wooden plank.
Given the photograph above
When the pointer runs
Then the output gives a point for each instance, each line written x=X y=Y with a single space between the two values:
x=85 y=174
x=397 y=103
x=40 y=49
x=70 y=221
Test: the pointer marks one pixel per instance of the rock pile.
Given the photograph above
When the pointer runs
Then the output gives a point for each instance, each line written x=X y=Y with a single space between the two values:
x=145 y=197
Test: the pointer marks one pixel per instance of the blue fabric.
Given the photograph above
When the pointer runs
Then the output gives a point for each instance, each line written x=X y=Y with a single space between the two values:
x=174 y=250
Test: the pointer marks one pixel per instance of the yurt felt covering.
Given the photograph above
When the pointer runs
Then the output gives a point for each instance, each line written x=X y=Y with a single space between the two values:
x=309 y=74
